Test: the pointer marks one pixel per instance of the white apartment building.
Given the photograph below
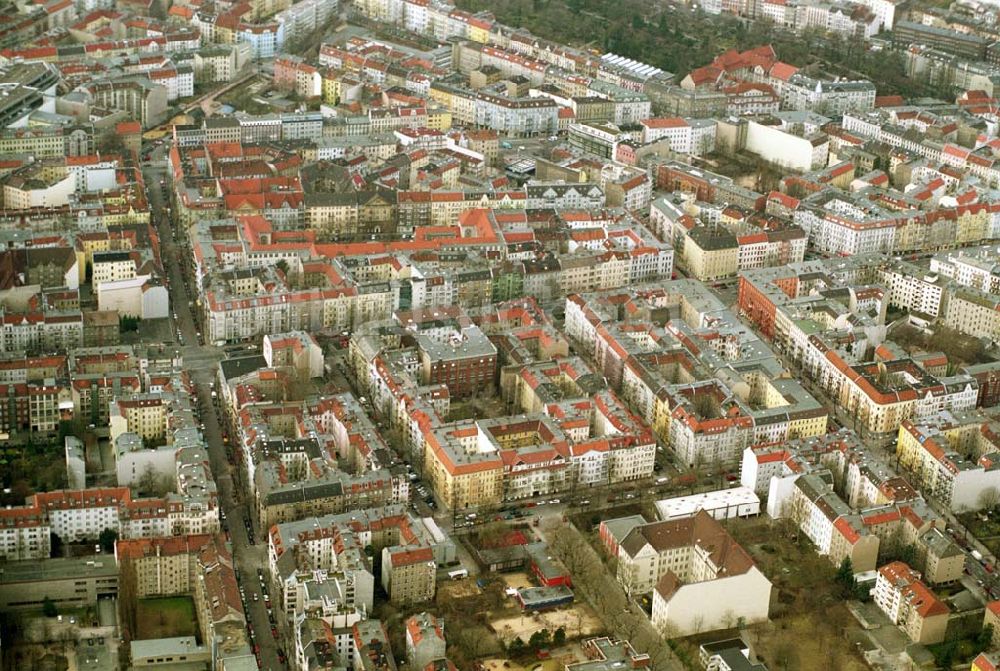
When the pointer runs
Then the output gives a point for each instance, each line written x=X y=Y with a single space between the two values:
x=265 y=40
x=22 y=537
x=836 y=17
x=722 y=443
x=885 y=10
x=801 y=92
x=974 y=313
x=112 y=266
x=936 y=467
x=908 y=290
x=976 y=268
x=888 y=593
x=303 y=17
x=835 y=234
x=84 y=514
x=521 y=117
x=159 y=525
x=20 y=194
x=700 y=576
x=93 y=177
x=675 y=130
x=563 y=196
x=51 y=330
x=416 y=17
x=901 y=595
x=179 y=81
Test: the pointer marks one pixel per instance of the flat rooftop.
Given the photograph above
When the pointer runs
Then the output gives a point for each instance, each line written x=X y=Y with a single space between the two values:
x=97 y=566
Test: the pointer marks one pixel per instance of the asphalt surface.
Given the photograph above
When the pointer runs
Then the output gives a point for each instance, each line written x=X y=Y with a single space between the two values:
x=200 y=361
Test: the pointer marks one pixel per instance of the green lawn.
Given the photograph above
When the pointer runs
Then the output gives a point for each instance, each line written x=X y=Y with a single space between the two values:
x=165 y=617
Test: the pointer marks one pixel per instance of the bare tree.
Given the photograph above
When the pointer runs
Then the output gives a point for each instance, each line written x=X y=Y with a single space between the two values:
x=494 y=533
x=147 y=481
x=706 y=406
x=786 y=655
x=793 y=514
x=988 y=498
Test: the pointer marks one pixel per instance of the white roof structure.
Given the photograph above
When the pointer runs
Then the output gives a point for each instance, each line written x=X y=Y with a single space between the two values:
x=720 y=504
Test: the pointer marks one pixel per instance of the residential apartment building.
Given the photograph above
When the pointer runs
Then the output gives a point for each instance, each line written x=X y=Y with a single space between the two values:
x=901 y=595
x=710 y=254
x=942 y=461
x=698 y=575
x=409 y=576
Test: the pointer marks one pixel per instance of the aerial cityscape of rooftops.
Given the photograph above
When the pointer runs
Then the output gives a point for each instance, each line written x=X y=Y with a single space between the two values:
x=505 y=335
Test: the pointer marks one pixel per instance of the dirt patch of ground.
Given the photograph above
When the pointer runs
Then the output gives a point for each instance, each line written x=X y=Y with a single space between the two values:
x=557 y=663
x=458 y=589
x=577 y=621
x=518 y=580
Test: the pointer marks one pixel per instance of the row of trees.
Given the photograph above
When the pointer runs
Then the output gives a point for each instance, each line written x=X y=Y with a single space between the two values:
x=594 y=582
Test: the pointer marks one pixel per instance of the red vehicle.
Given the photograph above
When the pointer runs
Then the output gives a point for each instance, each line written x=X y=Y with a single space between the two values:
x=989 y=568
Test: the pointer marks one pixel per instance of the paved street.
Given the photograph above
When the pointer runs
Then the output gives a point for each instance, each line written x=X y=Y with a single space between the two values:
x=200 y=361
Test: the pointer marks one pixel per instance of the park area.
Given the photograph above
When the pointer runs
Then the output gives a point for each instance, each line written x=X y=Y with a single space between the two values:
x=958 y=347
x=166 y=617
x=810 y=626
